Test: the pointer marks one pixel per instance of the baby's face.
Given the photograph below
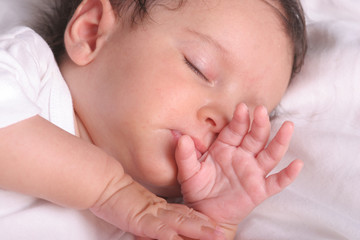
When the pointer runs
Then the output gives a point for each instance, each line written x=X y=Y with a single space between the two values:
x=182 y=73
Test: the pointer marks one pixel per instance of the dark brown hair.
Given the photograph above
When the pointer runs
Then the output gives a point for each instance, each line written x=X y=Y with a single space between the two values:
x=54 y=21
x=295 y=26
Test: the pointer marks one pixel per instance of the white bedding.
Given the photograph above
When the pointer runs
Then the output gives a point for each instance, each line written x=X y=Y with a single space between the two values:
x=324 y=103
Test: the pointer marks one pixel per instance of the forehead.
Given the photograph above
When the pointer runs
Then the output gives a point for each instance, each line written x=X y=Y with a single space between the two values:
x=251 y=48
x=274 y=7
x=224 y=16
x=238 y=25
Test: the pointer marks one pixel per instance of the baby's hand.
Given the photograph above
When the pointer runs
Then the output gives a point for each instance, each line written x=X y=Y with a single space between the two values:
x=230 y=180
x=132 y=208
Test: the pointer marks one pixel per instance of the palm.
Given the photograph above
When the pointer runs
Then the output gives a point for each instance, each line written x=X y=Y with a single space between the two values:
x=236 y=181
x=231 y=178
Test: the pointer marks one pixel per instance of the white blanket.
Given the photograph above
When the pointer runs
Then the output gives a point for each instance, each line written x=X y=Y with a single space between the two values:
x=324 y=103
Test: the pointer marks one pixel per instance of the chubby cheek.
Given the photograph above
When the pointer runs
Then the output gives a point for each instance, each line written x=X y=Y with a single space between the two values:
x=154 y=165
x=158 y=174
x=151 y=148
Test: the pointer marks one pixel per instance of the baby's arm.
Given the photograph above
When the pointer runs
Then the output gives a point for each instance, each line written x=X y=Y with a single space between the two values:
x=231 y=179
x=39 y=159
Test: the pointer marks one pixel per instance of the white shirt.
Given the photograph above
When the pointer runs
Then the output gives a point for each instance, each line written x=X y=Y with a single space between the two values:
x=31 y=84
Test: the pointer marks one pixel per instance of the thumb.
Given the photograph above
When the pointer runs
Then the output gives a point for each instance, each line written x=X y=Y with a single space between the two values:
x=186 y=159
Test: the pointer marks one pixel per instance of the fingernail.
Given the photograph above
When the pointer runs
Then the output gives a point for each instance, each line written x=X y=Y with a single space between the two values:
x=244 y=107
x=264 y=110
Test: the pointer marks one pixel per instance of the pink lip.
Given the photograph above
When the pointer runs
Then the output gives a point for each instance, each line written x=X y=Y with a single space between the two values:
x=199 y=146
x=176 y=134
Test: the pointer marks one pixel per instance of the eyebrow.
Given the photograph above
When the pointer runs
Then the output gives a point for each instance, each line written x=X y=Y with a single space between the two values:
x=208 y=39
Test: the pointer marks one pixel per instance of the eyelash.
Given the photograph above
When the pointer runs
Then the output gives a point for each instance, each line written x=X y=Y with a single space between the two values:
x=195 y=69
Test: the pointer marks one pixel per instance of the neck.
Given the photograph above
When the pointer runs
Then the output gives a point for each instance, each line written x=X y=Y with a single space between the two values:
x=80 y=129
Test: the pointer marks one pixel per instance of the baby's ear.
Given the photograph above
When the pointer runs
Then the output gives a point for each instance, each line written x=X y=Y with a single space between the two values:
x=88 y=30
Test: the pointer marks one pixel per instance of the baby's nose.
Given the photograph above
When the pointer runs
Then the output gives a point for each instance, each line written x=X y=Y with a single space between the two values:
x=215 y=117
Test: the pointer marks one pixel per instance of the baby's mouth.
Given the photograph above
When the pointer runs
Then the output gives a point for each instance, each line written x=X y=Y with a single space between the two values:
x=200 y=148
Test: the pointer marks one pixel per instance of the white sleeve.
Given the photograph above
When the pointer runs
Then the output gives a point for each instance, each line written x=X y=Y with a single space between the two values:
x=19 y=81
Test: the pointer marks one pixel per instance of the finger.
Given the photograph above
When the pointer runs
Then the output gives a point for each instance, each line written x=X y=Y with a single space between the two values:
x=186 y=159
x=189 y=212
x=259 y=134
x=156 y=228
x=189 y=224
x=277 y=148
x=142 y=238
x=277 y=182
x=235 y=131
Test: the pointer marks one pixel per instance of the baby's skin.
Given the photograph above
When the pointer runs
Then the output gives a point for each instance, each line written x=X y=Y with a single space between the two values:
x=232 y=177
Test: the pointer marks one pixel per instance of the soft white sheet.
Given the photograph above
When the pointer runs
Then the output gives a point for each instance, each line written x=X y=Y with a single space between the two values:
x=324 y=103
